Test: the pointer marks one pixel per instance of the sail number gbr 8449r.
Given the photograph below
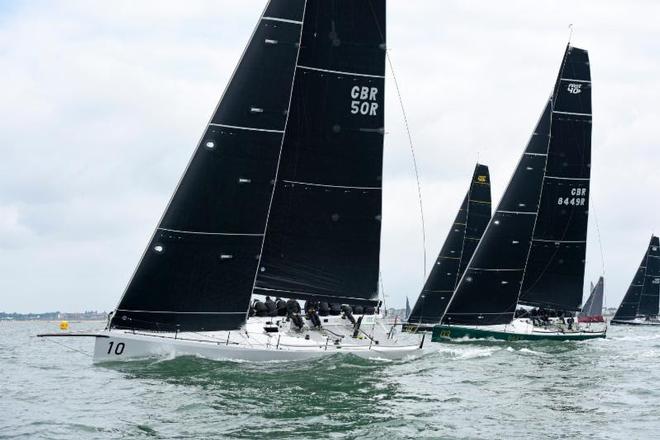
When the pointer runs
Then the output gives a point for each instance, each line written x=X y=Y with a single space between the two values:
x=577 y=197
x=364 y=100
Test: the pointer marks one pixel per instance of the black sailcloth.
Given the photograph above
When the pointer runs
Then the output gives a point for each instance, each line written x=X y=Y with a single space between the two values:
x=456 y=252
x=650 y=296
x=198 y=270
x=554 y=273
x=643 y=294
x=533 y=247
x=594 y=304
x=323 y=235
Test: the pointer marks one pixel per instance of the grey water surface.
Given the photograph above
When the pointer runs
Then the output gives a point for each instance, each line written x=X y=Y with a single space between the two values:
x=603 y=389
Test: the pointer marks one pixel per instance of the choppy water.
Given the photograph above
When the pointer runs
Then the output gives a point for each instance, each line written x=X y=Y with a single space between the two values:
x=606 y=389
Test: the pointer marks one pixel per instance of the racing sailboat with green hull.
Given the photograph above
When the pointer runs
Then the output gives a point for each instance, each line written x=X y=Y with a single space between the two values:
x=526 y=276
x=464 y=235
x=642 y=301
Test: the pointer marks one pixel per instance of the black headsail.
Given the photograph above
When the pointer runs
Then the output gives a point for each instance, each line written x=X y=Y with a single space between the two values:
x=323 y=235
x=643 y=294
x=594 y=304
x=464 y=235
x=533 y=248
x=199 y=268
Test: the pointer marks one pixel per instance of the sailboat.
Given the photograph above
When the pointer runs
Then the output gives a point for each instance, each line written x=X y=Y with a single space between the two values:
x=642 y=300
x=525 y=278
x=592 y=311
x=282 y=198
x=464 y=235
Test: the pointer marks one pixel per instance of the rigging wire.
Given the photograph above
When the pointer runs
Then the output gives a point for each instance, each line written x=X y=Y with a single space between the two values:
x=67 y=347
x=412 y=152
x=382 y=289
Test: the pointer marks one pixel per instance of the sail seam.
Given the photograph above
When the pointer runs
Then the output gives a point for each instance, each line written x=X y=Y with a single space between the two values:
x=340 y=72
x=179 y=231
x=559 y=241
x=495 y=270
x=570 y=113
x=535 y=154
x=238 y=127
x=566 y=178
x=576 y=80
x=295 y=182
x=283 y=20
x=516 y=212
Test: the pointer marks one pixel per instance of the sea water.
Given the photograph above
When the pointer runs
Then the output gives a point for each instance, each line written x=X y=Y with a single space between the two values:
x=600 y=389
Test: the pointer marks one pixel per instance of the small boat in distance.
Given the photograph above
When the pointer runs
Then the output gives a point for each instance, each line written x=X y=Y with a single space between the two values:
x=282 y=198
x=464 y=235
x=642 y=300
x=592 y=311
x=525 y=279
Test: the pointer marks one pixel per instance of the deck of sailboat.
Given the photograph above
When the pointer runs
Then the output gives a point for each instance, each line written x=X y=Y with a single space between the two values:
x=519 y=329
x=254 y=343
x=637 y=322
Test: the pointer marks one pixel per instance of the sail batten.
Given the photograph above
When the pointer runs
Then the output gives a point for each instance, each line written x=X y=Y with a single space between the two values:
x=465 y=233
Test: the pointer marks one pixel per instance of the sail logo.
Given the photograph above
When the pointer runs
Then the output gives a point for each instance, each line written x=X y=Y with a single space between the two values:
x=574 y=88
x=364 y=100
x=481 y=179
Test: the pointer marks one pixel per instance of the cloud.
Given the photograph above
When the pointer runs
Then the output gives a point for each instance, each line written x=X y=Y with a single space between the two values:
x=103 y=104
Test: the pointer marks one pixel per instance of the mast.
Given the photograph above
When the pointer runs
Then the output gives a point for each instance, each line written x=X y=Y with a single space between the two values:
x=533 y=248
x=462 y=240
x=198 y=270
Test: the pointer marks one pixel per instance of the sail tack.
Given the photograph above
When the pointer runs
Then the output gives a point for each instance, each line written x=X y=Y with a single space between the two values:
x=533 y=248
x=464 y=235
x=643 y=295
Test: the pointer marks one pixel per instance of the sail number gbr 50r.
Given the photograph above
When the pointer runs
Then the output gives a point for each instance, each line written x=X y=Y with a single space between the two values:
x=577 y=198
x=363 y=101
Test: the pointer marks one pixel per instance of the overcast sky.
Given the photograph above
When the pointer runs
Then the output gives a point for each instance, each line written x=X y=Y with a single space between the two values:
x=103 y=103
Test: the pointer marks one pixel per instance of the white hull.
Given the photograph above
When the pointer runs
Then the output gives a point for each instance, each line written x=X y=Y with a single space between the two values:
x=522 y=329
x=636 y=321
x=253 y=343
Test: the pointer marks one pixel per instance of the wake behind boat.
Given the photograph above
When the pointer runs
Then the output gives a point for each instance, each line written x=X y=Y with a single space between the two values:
x=525 y=278
x=282 y=197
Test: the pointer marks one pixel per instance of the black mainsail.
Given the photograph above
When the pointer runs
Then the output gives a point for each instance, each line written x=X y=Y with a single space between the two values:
x=464 y=235
x=643 y=295
x=594 y=304
x=323 y=236
x=533 y=249
x=296 y=142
